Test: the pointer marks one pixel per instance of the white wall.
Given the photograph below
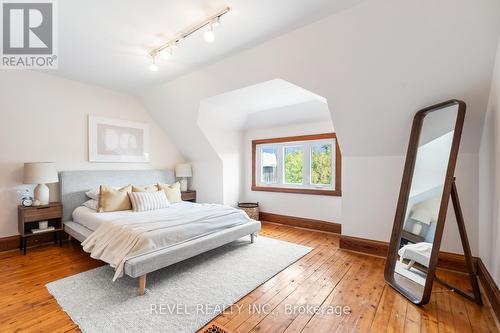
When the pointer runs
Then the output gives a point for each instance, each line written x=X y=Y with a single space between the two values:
x=225 y=139
x=370 y=192
x=44 y=118
x=321 y=207
x=376 y=63
x=489 y=181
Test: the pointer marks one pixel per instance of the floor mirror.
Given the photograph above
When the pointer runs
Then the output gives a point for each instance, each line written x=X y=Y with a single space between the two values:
x=427 y=187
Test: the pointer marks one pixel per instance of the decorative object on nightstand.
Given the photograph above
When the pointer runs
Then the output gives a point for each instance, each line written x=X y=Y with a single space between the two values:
x=183 y=171
x=31 y=219
x=26 y=198
x=188 y=196
x=40 y=173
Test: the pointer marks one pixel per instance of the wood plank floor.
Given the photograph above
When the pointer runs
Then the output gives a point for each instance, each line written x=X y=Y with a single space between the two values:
x=326 y=277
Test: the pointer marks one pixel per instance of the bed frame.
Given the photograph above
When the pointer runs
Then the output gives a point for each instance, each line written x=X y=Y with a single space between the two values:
x=74 y=184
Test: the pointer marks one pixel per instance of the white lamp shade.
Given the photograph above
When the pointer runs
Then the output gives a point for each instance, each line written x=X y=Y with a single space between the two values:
x=183 y=170
x=40 y=173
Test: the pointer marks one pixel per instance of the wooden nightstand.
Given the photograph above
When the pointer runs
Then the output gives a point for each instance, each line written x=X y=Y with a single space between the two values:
x=28 y=218
x=411 y=237
x=188 y=196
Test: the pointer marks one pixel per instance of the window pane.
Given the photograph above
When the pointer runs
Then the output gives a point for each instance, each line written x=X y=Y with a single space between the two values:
x=269 y=163
x=321 y=164
x=293 y=157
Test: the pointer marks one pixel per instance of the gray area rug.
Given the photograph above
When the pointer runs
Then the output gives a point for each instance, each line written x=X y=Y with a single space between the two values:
x=179 y=298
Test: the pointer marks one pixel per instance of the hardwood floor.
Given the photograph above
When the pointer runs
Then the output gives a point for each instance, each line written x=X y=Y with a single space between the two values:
x=327 y=276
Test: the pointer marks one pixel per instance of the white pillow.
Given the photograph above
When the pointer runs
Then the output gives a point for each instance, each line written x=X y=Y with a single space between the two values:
x=92 y=204
x=142 y=201
x=93 y=193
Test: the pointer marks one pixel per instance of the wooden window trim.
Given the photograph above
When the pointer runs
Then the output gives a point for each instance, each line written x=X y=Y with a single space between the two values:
x=338 y=165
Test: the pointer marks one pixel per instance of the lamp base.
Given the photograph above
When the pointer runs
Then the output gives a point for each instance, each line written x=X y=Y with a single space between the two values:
x=41 y=193
x=417 y=228
x=184 y=184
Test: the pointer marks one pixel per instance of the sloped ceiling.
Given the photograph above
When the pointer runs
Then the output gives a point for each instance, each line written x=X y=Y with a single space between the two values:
x=267 y=104
x=307 y=112
x=107 y=42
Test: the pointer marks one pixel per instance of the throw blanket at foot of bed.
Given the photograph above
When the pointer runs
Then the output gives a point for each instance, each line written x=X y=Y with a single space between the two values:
x=122 y=239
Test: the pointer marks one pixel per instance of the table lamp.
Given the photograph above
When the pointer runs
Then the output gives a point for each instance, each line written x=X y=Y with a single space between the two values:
x=183 y=171
x=421 y=217
x=40 y=173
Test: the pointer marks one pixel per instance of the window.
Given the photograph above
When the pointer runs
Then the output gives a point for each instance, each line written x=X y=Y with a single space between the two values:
x=269 y=172
x=293 y=164
x=321 y=164
x=303 y=164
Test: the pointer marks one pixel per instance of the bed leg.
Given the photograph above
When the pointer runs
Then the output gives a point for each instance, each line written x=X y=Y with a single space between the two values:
x=252 y=238
x=410 y=264
x=142 y=284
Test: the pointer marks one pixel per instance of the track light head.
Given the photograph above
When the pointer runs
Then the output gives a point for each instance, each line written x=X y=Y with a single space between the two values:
x=178 y=42
x=166 y=53
x=209 y=35
x=153 y=67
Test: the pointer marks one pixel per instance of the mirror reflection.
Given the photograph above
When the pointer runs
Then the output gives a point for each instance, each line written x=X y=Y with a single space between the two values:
x=424 y=201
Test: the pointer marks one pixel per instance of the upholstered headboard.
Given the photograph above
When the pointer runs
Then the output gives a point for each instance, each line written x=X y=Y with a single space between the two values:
x=74 y=184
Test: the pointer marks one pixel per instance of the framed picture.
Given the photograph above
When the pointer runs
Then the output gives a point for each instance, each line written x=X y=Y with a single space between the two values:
x=114 y=140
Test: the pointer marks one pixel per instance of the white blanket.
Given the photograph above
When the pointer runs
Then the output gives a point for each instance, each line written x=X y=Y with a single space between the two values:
x=419 y=252
x=124 y=238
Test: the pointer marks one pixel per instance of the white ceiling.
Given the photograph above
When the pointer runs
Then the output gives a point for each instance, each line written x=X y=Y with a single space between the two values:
x=308 y=112
x=267 y=95
x=272 y=103
x=107 y=42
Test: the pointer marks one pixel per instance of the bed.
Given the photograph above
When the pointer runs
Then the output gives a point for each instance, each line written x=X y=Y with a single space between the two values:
x=80 y=222
x=419 y=252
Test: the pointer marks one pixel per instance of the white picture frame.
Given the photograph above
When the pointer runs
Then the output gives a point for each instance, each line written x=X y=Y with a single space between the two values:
x=117 y=141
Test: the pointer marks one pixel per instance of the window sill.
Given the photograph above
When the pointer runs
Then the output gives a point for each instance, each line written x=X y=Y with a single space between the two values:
x=335 y=193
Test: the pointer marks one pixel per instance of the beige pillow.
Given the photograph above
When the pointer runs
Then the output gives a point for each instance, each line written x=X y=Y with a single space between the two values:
x=173 y=192
x=145 y=188
x=112 y=200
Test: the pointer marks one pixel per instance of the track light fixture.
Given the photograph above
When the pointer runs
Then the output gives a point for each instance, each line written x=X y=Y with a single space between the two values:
x=166 y=50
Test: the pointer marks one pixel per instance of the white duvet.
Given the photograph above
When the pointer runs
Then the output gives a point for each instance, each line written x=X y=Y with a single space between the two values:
x=116 y=241
x=419 y=252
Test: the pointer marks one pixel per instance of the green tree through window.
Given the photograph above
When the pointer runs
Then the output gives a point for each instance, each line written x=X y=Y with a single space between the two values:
x=321 y=164
x=294 y=165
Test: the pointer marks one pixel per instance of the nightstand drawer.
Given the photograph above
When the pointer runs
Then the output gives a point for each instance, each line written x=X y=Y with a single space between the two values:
x=42 y=213
x=188 y=196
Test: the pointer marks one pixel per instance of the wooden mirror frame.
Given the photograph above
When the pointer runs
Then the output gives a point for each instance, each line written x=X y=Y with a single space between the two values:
x=399 y=219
